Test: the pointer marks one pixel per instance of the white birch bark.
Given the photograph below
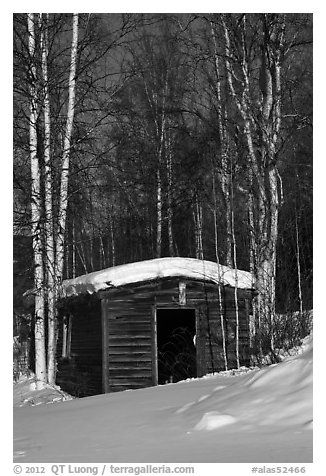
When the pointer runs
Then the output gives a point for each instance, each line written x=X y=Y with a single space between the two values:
x=225 y=190
x=161 y=136
x=160 y=126
x=236 y=284
x=73 y=249
x=102 y=254
x=63 y=204
x=221 y=311
x=298 y=263
x=263 y=166
x=169 y=198
x=223 y=133
x=112 y=240
x=158 y=213
x=48 y=225
x=252 y=253
x=198 y=219
x=36 y=207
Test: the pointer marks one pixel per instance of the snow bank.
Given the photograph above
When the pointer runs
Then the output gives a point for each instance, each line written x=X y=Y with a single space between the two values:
x=25 y=393
x=280 y=395
x=258 y=416
x=155 y=269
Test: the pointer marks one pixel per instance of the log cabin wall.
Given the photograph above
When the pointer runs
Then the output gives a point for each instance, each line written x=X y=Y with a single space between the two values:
x=80 y=363
x=113 y=333
x=129 y=329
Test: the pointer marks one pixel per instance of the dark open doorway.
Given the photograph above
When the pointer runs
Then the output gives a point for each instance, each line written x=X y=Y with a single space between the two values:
x=176 y=351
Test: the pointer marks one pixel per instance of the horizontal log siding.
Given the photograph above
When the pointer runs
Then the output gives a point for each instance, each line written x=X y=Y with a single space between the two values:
x=129 y=345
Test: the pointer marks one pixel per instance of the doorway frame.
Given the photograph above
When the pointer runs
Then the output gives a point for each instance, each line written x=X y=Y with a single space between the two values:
x=175 y=307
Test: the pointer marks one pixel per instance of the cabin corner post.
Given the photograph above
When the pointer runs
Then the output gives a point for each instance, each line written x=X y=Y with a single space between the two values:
x=251 y=327
x=200 y=342
x=154 y=346
x=105 y=354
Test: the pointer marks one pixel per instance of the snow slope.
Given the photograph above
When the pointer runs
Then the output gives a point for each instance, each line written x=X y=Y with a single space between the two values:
x=260 y=416
x=25 y=393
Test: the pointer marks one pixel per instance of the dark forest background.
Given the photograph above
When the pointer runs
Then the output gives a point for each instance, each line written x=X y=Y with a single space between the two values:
x=147 y=173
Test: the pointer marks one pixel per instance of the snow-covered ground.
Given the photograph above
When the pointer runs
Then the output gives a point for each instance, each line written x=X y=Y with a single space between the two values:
x=256 y=416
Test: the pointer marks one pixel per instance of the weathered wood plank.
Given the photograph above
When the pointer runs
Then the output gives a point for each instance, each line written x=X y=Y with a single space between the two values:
x=130 y=362
x=125 y=324
x=115 y=341
x=132 y=372
x=123 y=379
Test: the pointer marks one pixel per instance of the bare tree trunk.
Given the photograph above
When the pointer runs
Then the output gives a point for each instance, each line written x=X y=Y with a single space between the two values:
x=73 y=249
x=225 y=176
x=298 y=263
x=159 y=183
x=236 y=284
x=263 y=164
x=112 y=241
x=68 y=263
x=36 y=207
x=226 y=193
x=158 y=213
x=91 y=263
x=274 y=211
x=48 y=226
x=63 y=205
x=198 y=218
x=221 y=311
x=160 y=129
x=102 y=253
x=169 y=199
x=252 y=253
x=252 y=226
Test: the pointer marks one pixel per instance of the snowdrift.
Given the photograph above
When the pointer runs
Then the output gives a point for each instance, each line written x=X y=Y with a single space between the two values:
x=280 y=395
x=260 y=416
x=25 y=393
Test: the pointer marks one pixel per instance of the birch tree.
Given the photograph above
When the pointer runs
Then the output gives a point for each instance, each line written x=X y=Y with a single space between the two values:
x=48 y=207
x=36 y=216
x=48 y=239
x=225 y=166
x=217 y=257
x=55 y=251
x=262 y=126
x=63 y=204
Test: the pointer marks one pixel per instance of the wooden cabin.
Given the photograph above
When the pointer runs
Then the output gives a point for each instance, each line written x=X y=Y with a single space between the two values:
x=148 y=323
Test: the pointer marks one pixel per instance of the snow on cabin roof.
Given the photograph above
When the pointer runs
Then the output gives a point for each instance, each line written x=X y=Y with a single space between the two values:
x=154 y=269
